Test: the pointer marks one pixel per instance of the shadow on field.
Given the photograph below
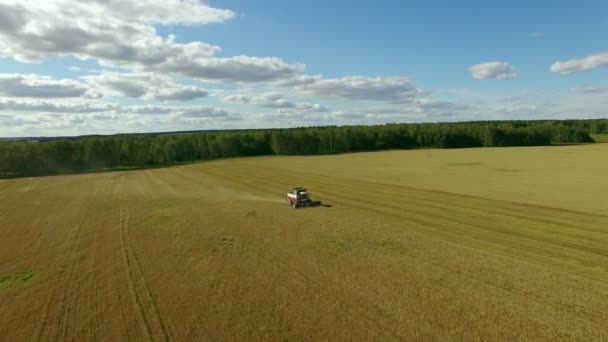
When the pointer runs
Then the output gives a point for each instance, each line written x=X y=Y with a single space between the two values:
x=318 y=205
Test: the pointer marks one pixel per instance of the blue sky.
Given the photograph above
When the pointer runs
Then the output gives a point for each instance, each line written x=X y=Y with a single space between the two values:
x=112 y=67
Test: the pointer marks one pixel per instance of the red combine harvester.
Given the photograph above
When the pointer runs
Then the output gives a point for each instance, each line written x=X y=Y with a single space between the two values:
x=299 y=198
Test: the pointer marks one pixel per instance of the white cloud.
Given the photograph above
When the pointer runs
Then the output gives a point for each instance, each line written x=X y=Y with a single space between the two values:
x=124 y=119
x=201 y=112
x=238 y=69
x=122 y=34
x=305 y=108
x=144 y=85
x=14 y=121
x=238 y=99
x=579 y=65
x=167 y=12
x=105 y=111
x=493 y=70
x=272 y=100
x=268 y=100
x=54 y=107
x=207 y=112
x=596 y=89
x=387 y=89
x=428 y=106
x=275 y=100
x=38 y=86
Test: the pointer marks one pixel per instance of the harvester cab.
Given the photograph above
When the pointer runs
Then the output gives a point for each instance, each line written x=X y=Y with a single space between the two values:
x=299 y=198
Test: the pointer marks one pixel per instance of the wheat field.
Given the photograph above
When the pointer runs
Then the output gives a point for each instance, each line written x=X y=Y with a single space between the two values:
x=472 y=244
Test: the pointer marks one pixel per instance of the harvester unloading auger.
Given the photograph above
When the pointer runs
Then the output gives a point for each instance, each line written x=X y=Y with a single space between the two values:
x=299 y=198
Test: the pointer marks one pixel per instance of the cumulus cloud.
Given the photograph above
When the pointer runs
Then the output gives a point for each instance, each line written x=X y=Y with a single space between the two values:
x=493 y=70
x=38 y=86
x=237 y=99
x=200 y=112
x=207 y=112
x=122 y=34
x=274 y=100
x=144 y=85
x=294 y=119
x=120 y=120
x=269 y=100
x=106 y=110
x=167 y=12
x=596 y=89
x=53 y=107
x=588 y=63
x=435 y=106
x=306 y=108
x=14 y=121
x=238 y=69
x=387 y=89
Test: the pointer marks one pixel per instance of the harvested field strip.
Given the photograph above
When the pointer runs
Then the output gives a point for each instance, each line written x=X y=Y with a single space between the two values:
x=548 y=240
x=456 y=212
x=515 y=251
x=544 y=214
x=577 y=219
x=556 y=303
x=484 y=213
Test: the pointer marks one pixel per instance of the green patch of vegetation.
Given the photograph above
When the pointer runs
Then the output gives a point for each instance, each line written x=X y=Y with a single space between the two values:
x=600 y=138
x=361 y=247
x=228 y=245
x=13 y=280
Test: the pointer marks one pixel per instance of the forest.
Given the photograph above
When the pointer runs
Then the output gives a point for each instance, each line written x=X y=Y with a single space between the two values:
x=96 y=153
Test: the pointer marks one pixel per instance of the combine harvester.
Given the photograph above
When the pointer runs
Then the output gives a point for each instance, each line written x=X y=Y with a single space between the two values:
x=298 y=198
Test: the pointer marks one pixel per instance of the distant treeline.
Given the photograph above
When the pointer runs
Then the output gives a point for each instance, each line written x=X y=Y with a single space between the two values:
x=75 y=155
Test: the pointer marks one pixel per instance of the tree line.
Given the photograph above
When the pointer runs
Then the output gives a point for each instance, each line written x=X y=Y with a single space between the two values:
x=83 y=154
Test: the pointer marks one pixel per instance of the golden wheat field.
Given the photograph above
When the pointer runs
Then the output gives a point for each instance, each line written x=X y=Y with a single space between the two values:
x=474 y=244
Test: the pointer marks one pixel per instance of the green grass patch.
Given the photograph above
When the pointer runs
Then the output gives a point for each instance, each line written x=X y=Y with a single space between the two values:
x=600 y=138
x=14 y=280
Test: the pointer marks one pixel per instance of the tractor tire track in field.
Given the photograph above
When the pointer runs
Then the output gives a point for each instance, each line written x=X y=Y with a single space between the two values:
x=67 y=266
x=143 y=300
